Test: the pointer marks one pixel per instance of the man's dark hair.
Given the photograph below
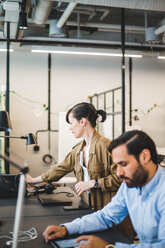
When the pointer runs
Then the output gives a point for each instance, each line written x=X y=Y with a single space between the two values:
x=86 y=110
x=135 y=142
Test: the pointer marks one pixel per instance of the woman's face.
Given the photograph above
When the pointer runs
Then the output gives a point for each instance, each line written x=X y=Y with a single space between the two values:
x=75 y=126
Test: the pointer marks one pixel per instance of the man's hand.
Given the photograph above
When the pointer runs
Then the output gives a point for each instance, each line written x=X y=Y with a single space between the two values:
x=52 y=232
x=82 y=186
x=91 y=241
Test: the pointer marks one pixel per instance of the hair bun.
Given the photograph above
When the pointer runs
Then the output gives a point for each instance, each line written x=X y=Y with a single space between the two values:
x=102 y=113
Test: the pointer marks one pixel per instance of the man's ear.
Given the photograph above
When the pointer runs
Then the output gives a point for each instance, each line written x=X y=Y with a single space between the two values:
x=145 y=156
x=83 y=121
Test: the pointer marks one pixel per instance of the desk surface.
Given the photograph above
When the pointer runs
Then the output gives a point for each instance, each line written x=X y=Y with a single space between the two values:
x=32 y=207
x=41 y=222
x=35 y=215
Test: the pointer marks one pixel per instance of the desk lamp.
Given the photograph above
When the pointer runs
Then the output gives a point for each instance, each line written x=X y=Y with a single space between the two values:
x=30 y=138
x=5 y=126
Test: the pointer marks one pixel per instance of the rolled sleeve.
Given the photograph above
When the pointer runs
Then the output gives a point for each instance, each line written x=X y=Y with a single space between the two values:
x=111 y=182
x=57 y=171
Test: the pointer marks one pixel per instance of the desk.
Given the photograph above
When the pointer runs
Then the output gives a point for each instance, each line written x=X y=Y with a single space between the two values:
x=35 y=215
x=32 y=207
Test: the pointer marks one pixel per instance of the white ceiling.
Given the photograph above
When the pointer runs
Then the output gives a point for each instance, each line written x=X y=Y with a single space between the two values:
x=86 y=22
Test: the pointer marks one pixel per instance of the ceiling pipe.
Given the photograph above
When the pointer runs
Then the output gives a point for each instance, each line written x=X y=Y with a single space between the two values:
x=104 y=14
x=42 y=11
x=108 y=27
x=160 y=30
x=66 y=14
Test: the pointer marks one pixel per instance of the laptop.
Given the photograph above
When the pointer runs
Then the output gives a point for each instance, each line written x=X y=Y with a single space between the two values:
x=59 y=198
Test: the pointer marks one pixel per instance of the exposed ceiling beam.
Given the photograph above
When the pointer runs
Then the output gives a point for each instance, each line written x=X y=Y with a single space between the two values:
x=86 y=42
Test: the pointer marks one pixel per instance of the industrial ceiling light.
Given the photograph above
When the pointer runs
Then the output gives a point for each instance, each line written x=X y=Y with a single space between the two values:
x=161 y=57
x=23 y=20
x=4 y=49
x=85 y=53
x=23 y=17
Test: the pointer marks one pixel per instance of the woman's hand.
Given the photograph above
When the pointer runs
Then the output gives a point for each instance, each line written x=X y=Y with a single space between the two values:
x=52 y=232
x=32 y=180
x=91 y=241
x=82 y=186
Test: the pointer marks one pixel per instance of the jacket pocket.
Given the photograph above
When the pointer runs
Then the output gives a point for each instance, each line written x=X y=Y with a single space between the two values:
x=78 y=173
x=98 y=171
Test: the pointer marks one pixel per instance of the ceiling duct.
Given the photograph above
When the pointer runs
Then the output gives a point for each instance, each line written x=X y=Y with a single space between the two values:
x=12 y=16
x=42 y=11
x=157 y=5
x=150 y=35
x=160 y=30
x=54 y=31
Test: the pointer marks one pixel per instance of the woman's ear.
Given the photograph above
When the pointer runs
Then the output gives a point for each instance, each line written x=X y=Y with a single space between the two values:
x=145 y=156
x=83 y=122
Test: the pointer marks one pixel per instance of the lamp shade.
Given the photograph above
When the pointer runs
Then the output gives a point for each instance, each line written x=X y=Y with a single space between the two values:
x=5 y=124
x=30 y=139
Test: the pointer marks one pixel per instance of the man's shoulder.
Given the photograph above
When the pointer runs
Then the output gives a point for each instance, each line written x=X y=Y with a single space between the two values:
x=161 y=175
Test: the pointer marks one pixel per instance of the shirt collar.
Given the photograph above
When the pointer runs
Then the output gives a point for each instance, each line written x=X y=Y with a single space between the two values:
x=92 y=149
x=149 y=187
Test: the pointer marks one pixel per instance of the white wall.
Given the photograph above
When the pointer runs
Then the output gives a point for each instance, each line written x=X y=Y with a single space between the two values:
x=74 y=78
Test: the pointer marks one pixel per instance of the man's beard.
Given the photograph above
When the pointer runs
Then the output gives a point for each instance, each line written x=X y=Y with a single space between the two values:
x=139 y=177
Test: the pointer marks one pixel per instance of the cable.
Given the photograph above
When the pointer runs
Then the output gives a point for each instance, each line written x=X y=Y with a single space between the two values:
x=23 y=236
x=69 y=194
x=47 y=189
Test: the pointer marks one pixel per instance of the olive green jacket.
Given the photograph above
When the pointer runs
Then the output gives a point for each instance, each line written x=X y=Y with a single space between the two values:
x=99 y=166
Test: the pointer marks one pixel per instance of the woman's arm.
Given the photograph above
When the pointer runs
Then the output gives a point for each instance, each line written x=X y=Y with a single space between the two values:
x=111 y=182
x=30 y=179
x=56 y=172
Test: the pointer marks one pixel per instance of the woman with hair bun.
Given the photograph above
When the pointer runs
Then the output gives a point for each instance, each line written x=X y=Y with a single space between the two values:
x=89 y=159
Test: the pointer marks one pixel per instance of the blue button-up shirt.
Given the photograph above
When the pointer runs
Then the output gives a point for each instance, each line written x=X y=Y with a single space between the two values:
x=146 y=207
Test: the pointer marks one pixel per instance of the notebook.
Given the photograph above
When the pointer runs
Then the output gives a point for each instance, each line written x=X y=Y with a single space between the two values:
x=58 y=198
